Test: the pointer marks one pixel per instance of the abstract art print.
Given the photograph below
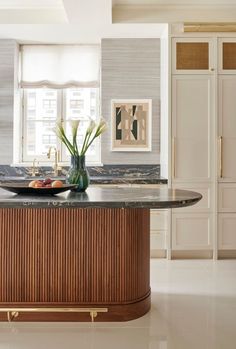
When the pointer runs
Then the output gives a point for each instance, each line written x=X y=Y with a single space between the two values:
x=131 y=124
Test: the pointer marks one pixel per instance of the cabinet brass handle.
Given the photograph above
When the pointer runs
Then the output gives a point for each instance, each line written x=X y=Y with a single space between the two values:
x=221 y=155
x=173 y=157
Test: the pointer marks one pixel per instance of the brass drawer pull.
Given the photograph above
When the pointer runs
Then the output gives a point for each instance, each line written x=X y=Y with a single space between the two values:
x=173 y=157
x=13 y=313
x=221 y=156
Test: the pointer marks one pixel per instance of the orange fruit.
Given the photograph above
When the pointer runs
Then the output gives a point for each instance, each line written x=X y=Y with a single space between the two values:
x=32 y=184
x=57 y=184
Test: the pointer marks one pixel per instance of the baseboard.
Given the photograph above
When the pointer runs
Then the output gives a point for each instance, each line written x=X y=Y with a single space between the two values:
x=226 y=254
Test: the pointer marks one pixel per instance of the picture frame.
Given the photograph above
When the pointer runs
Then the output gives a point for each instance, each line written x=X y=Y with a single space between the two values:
x=131 y=125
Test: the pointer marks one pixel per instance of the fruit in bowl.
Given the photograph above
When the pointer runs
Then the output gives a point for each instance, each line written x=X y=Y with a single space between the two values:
x=45 y=183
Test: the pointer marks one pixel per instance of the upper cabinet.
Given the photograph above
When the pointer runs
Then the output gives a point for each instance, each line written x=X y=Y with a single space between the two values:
x=227 y=56
x=193 y=56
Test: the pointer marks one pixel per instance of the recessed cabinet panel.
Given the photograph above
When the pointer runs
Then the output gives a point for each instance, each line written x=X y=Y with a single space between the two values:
x=227 y=197
x=158 y=240
x=227 y=55
x=191 y=231
x=192 y=55
x=158 y=220
x=227 y=127
x=191 y=120
x=227 y=231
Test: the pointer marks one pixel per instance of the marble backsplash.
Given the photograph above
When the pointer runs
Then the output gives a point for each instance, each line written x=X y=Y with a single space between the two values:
x=94 y=171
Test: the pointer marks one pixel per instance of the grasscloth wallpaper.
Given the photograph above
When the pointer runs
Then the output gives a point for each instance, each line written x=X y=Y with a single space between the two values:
x=7 y=84
x=130 y=69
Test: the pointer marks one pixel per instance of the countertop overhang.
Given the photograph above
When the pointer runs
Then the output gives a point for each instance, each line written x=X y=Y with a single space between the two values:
x=159 y=198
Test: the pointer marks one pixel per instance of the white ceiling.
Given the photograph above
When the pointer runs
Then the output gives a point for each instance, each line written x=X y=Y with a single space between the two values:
x=87 y=21
x=30 y=4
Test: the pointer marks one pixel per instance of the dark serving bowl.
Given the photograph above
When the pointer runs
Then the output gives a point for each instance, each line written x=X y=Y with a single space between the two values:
x=23 y=188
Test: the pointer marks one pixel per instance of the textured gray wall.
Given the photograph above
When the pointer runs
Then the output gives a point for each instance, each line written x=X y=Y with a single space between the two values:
x=7 y=84
x=130 y=69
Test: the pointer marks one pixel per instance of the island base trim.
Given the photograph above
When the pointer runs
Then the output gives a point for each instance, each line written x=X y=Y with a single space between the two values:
x=125 y=312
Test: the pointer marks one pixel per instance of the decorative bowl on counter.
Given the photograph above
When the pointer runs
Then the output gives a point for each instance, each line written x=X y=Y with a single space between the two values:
x=23 y=188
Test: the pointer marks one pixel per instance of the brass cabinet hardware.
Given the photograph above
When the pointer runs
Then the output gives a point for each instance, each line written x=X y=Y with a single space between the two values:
x=173 y=157
x=209 y=27
x=221 y=156
x=13 y=313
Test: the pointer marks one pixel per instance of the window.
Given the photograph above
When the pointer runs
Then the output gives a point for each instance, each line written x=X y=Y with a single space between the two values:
x=43 y=107
x=59 y=83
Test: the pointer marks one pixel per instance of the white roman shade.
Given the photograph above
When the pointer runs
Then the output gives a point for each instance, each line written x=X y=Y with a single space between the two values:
x=60 y=66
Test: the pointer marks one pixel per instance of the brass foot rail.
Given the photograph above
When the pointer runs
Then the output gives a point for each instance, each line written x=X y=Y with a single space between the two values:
x=13 y=313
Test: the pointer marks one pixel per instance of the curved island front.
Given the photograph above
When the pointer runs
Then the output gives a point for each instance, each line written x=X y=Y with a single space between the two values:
x=79 y=256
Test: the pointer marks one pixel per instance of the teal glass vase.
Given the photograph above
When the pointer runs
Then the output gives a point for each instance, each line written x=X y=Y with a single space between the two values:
x=78 y=173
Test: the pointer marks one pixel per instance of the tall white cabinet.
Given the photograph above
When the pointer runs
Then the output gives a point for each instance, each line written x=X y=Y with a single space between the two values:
x=193 y=134
x=199 y=97
x=227 y=146
x=203 y=144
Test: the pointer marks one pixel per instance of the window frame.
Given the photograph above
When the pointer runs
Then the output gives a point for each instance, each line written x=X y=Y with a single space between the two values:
x=61 y=111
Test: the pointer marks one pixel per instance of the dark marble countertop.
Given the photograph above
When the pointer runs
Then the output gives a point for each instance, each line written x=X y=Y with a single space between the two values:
x=105 y=197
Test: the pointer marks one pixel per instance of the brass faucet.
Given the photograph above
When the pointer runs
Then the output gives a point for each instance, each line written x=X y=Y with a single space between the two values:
x=56 y=167
x=34 y=171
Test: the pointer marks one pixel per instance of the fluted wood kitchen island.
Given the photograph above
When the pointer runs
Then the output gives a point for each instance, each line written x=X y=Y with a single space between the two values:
x=79 y=257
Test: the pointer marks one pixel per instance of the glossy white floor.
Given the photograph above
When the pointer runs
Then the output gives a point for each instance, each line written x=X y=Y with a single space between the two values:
x=193 y=306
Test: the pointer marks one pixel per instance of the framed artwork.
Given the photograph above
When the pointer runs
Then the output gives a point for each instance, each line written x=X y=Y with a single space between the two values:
x=131 y=125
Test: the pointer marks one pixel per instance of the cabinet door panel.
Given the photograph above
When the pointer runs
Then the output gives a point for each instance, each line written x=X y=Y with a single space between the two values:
x=158 y=220
x=158 y=240
x=192 y=55
x=191 y=231
x=227 y=55
x=192 y=127
x=227 y=197
x=227 y=125
x=227 y=231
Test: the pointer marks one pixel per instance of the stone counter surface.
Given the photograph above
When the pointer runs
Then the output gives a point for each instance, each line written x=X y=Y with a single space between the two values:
x=107 y=174
x=106 y=198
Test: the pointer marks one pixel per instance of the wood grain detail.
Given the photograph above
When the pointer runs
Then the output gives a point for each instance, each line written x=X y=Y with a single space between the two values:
x=229 y=55
x=78 y=257
x=192 y=55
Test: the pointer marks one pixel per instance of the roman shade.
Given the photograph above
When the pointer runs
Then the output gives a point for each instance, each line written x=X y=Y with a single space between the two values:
x=60 y=66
